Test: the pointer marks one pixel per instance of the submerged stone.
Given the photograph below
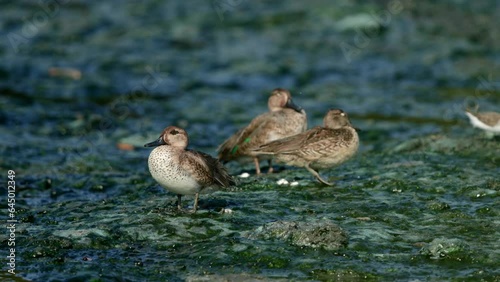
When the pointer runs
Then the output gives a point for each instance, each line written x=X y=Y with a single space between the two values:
x=444 y=248
x=316 y=234
x=439 y=143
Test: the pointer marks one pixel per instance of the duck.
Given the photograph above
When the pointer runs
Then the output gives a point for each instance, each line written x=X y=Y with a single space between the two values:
x=284 y=118
x=320 y=147
x=183 y=171
x=487 y=121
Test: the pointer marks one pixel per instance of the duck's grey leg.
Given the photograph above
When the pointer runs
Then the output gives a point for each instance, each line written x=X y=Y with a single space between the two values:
x=316 y=174
x=179 y=205
x=195 y=206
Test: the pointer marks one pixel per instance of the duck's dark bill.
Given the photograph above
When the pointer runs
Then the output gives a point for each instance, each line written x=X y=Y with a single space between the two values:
x=290 y=104
x=155 y=143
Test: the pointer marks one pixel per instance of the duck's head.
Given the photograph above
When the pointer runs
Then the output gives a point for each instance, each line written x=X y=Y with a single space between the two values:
x=336 y=118
x=173 y=136
x=280 y=99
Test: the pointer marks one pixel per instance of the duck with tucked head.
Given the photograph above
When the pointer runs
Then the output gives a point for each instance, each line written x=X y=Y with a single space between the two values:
x=183 y=171
x=283 y=119
x=318 y=148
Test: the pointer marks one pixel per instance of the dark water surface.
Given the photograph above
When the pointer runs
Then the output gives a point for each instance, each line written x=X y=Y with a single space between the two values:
x=84 y=84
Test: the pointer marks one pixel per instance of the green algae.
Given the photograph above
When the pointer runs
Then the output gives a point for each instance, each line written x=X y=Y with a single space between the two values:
x=386 y=222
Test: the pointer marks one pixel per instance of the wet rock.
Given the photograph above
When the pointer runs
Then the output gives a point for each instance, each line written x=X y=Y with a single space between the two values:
x=443 y=248
x=438 y=143
x=316 y=234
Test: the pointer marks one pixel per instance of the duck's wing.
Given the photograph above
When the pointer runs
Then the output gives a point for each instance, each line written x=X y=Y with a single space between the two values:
x=205 y=169
x=292 y=143
x=326 y=142
x=237 y=144
x=489 y=118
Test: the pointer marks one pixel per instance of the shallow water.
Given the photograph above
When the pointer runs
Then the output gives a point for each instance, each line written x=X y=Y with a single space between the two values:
x=418 y=202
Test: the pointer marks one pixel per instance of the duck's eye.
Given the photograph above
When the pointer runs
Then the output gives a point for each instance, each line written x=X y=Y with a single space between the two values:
x=174 y=132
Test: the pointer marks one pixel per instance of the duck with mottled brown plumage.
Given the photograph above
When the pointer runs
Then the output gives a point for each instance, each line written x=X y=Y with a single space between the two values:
x=318 y=148
x=183 y=171
x=283 y=119
x=487 y=121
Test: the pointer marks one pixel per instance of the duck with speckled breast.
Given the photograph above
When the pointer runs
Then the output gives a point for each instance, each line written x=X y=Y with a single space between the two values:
x=183 y=171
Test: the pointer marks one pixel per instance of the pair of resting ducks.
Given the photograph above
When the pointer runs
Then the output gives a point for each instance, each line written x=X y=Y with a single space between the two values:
x=279 y=134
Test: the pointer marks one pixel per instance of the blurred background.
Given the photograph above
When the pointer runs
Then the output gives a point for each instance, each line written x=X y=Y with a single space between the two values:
x=82 y=76
x=103 y=71
x=84 y=84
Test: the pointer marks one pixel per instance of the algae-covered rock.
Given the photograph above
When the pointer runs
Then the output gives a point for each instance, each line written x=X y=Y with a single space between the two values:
x=443 y=248
x=439 y=143
x=316 y=234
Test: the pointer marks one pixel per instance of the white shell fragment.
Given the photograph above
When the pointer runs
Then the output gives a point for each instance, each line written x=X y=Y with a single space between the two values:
x=244 y=175
x=282 y=181
x=226 y=211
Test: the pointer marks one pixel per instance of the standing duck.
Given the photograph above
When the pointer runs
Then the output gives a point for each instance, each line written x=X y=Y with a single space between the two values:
x=183 y=171
x=318 y=148
x=283 y=119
